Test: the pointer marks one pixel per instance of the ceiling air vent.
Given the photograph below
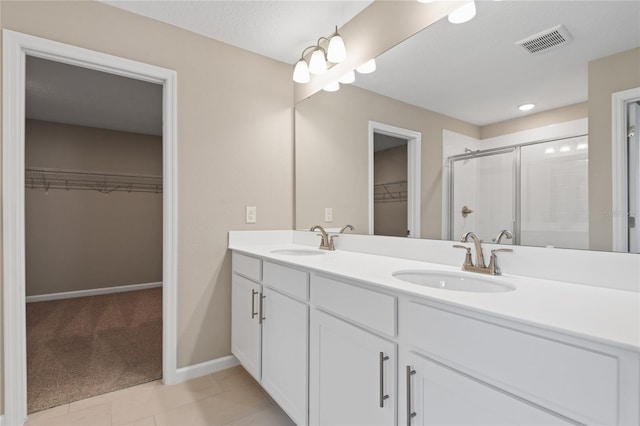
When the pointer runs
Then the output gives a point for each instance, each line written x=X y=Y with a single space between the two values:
x=545 y=40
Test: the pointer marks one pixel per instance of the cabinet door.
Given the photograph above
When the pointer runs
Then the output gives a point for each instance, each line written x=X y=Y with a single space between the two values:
x=353 y=375
x=285 y=353
x=245 y=323
x=439 y=395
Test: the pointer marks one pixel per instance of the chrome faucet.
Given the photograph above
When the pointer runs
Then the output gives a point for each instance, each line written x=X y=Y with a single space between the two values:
x=480 y=267
x=503 y=233
x=344 y=228
x=325 y=242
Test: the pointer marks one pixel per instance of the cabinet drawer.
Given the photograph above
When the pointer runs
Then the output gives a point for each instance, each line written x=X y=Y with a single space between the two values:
x=576 y=382
x=287 y=280
x=374 y=310
x=247 y=266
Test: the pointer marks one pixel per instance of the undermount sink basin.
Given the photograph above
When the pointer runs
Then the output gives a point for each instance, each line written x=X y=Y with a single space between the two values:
x=298 y=252
x=453 y=281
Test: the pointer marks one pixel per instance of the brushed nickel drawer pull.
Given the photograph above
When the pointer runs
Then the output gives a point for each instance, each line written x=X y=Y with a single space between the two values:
x=410 y=414
x=253 y=303
x=383 y=358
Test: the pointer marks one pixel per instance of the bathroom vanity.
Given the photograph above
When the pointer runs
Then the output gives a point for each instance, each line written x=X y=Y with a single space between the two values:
x=335 y=338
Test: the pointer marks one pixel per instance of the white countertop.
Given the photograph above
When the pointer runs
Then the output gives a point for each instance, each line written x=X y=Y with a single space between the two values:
x=600 y=314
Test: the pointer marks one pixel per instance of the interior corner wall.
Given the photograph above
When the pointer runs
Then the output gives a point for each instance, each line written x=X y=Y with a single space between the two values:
x=84 y=239
x=234 y=146
x=607 y=75
x=332 y=134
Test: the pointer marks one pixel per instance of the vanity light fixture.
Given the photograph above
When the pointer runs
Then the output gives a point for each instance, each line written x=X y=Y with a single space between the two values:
x=317 y=63
x=368 y=67
x=335 y=53
x=332 y=87
x=301 y=72
x=526 y=107
x=464 y=13
x=348 y=78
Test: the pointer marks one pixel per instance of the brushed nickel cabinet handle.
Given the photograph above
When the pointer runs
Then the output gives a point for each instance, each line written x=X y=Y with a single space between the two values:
x=261 y=318
x=383 y=358
x=410 y=414
x=253 y=303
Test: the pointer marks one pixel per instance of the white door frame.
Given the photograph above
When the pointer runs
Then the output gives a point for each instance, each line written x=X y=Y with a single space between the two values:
x=414 y=162
x=620 y=175
x=16 y=46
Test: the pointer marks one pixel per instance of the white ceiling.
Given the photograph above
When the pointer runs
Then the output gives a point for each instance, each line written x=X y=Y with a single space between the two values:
x=472 y=71
x=476 y=73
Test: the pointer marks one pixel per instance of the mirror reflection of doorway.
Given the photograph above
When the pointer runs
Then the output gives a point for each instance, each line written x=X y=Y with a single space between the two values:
x=633 y=111
x=390 y=159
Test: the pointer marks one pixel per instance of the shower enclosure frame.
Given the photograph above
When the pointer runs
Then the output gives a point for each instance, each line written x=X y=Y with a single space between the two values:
x=516 y=149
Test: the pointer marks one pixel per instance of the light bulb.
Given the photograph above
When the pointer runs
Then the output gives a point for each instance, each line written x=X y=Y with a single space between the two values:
x=332 y=87
x=301 y=72
x=317 y=64
x=526 y=107
x=348 y=78
x=367 y=67
x=463 y=13
x=336 y=51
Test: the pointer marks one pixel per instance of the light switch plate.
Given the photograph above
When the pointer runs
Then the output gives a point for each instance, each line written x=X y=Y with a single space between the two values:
x=328 y=214
x=250 y=214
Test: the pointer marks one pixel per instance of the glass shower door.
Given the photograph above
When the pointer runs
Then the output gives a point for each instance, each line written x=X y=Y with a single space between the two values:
x=482 y=196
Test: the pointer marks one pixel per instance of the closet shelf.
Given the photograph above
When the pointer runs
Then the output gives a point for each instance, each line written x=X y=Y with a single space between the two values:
x=390 y=192
x=42 y=178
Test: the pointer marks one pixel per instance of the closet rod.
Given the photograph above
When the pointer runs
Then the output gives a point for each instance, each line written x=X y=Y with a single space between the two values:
x=42 y=178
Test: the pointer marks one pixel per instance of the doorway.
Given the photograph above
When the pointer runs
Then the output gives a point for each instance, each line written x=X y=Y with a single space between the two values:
x=16 y=47
x=625 y=154
x=394 y=181
x=633 y=153
x=93 y=232
x=390 y=159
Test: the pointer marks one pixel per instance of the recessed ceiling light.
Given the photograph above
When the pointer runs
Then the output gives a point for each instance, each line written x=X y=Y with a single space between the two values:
x=565 y=148
x=549 y=151
x=582 y=145
x=526 y=107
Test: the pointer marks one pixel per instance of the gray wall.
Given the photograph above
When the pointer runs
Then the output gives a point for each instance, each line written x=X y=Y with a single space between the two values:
x=78 y=240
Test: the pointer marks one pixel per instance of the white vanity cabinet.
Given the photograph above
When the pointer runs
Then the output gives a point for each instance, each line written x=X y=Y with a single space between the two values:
x=475 y=370
x=333 y=350
x=439 y=395
x=353 y=371
x=270 y=329
x=246 y=332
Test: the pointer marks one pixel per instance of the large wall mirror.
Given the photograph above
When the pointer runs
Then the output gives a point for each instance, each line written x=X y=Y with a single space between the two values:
x=432 y=144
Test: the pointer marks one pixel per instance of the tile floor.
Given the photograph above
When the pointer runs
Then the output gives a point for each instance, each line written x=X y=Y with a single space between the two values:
x=229 y=397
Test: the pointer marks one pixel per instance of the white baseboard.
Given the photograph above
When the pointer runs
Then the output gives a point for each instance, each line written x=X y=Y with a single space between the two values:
x=204 y=368
x=92 y=292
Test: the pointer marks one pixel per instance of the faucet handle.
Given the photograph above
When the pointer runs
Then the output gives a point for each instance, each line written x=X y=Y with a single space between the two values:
x=494 y=251
x=467 y=257
x=493 y=261
x=332 y=245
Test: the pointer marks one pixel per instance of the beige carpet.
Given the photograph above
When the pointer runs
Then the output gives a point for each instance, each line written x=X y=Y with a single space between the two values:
x=78 y=348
